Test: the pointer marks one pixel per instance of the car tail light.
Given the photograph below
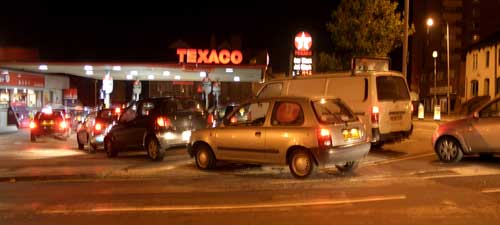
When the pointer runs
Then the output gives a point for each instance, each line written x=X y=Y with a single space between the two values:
x=163 y=122
x=375 y=114
x=118 y=110
x=324 y=138
x=97 y=127
x=63 y=124
x=210 y=119
x=32 y=125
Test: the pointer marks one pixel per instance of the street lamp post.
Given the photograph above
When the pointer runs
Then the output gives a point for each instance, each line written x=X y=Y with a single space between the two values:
x=435 y=55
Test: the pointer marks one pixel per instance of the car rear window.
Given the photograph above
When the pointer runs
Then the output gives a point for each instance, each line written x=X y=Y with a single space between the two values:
x=332 y=111
x=392 y=88
x=106 y=114
x=50 y=116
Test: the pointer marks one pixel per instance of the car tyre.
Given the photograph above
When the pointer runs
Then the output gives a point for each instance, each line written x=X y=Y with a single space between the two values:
x=32 y=138
x=80 y=145
x=347 y=167
x=486 y=156
x=155 y=153
x=111 y=152
x=448 y=150
x=204 y=157
x=91 y=147
x=301 y=164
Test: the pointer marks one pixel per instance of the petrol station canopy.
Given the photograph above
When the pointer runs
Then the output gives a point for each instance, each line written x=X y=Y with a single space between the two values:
x=144 y=71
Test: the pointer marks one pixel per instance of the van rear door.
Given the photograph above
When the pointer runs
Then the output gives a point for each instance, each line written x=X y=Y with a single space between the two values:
x=393 y=101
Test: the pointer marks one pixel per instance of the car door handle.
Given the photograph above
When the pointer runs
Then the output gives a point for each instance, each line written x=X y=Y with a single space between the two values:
x=258 y=133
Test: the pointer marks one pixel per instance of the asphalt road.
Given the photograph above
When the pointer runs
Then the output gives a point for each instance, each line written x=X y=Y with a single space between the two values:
x=54 y=183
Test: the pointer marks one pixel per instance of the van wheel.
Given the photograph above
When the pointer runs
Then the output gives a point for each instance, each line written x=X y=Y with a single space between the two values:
x=301 y=164
x=111 y=152
x=204 y=157
x=449 y=150
x=347 y=167
x=378 y=145
x=155 y=153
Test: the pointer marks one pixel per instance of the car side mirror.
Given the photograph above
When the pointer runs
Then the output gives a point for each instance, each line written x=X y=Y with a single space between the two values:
x=475 y=115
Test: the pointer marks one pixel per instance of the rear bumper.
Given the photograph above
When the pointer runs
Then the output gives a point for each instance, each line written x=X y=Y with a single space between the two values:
x=98 y=140
x=336 y=155
x=52 y=132
x=170 y=139
x=389 y=137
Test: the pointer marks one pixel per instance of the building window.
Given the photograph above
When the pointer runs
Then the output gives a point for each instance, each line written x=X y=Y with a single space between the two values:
x=499 y=57
x=487 y=59
x=486 y=87
x=474 y=61
x=497 y=90
x=475 y=37
x=473 y=88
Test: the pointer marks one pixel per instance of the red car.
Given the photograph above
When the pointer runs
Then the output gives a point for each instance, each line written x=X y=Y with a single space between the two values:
x=49 y=123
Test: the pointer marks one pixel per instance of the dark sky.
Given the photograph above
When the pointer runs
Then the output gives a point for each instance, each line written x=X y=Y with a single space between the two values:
x=146 y=38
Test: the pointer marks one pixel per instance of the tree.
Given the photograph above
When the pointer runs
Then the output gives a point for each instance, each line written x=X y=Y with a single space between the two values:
x=328 y=63
x=365 y=28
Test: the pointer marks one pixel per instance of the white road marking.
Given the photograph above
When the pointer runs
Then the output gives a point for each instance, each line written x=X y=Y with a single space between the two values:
x=383 y=162
x=230 y=207
x=491 y=190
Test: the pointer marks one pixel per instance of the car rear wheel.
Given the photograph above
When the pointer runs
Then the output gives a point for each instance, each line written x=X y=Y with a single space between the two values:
x=154 y=151
x=110 y=150
x=204 y=157
x=301 y=164
x=91 y=147
x=347 y=167
x=80 y=145
x=449 y=150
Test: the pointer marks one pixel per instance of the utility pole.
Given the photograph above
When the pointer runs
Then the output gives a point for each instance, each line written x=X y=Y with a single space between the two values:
x=405 y=41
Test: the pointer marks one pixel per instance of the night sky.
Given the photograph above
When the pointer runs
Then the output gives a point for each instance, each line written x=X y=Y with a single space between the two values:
x=146 y=38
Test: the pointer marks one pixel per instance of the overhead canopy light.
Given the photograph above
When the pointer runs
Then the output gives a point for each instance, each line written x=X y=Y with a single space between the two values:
x=43 y=67
x=236 y=78
x=117 y=68
x=177 y=77
x=89 y=72
x=166 y=73
x=229 y=70
x=203 y=74
x=134 y=73
x=129 y=77
x=151 y=77
x=88 y=67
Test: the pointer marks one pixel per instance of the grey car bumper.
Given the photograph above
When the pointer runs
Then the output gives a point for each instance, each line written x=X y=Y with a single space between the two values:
x=336 y=155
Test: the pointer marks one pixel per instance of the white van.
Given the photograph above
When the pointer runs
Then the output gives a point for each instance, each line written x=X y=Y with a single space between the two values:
x=380 y=99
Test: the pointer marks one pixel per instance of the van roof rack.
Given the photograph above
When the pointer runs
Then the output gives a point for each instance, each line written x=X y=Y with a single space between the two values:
x=361 y=64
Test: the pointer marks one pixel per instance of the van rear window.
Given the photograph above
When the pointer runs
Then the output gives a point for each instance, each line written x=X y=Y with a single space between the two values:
x=392 y=88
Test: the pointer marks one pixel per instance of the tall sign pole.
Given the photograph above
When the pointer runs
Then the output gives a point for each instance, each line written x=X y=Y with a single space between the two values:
x=405 y=41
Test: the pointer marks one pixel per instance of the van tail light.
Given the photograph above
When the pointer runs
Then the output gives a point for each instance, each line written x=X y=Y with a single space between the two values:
x=32 y=125
x=163 y=122
x=63 y=125
x=324 y=138
x=375 y=114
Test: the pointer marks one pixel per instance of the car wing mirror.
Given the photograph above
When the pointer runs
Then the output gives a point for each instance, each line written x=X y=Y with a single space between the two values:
x=475 y=115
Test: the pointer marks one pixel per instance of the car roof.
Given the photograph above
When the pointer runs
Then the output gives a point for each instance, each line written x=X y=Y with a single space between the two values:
x=301 y=98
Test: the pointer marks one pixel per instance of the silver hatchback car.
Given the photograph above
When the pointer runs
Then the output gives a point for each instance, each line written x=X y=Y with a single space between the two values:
x=475 y=134
x=302 y=133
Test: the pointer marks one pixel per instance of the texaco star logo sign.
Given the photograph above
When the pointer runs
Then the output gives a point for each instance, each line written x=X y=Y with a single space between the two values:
x=303 y=41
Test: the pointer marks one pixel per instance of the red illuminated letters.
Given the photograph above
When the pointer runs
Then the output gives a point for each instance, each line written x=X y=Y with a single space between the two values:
x=208 y=56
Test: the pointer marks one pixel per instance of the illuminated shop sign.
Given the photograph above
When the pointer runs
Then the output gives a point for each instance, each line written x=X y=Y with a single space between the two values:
x=209 y=56
x=302 y=61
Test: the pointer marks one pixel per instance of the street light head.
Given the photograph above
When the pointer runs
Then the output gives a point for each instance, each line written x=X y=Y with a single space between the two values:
x=430 y=22
x=434 y=54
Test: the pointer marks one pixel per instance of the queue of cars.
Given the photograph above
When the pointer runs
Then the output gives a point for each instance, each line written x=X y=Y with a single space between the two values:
x=289 y=123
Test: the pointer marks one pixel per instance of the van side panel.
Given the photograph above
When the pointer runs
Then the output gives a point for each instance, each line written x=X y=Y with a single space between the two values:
x=306 y=87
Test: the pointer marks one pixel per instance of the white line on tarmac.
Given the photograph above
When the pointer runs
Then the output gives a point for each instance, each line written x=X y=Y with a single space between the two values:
x=383 y=162
x=229 y=207
x=491 y=190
